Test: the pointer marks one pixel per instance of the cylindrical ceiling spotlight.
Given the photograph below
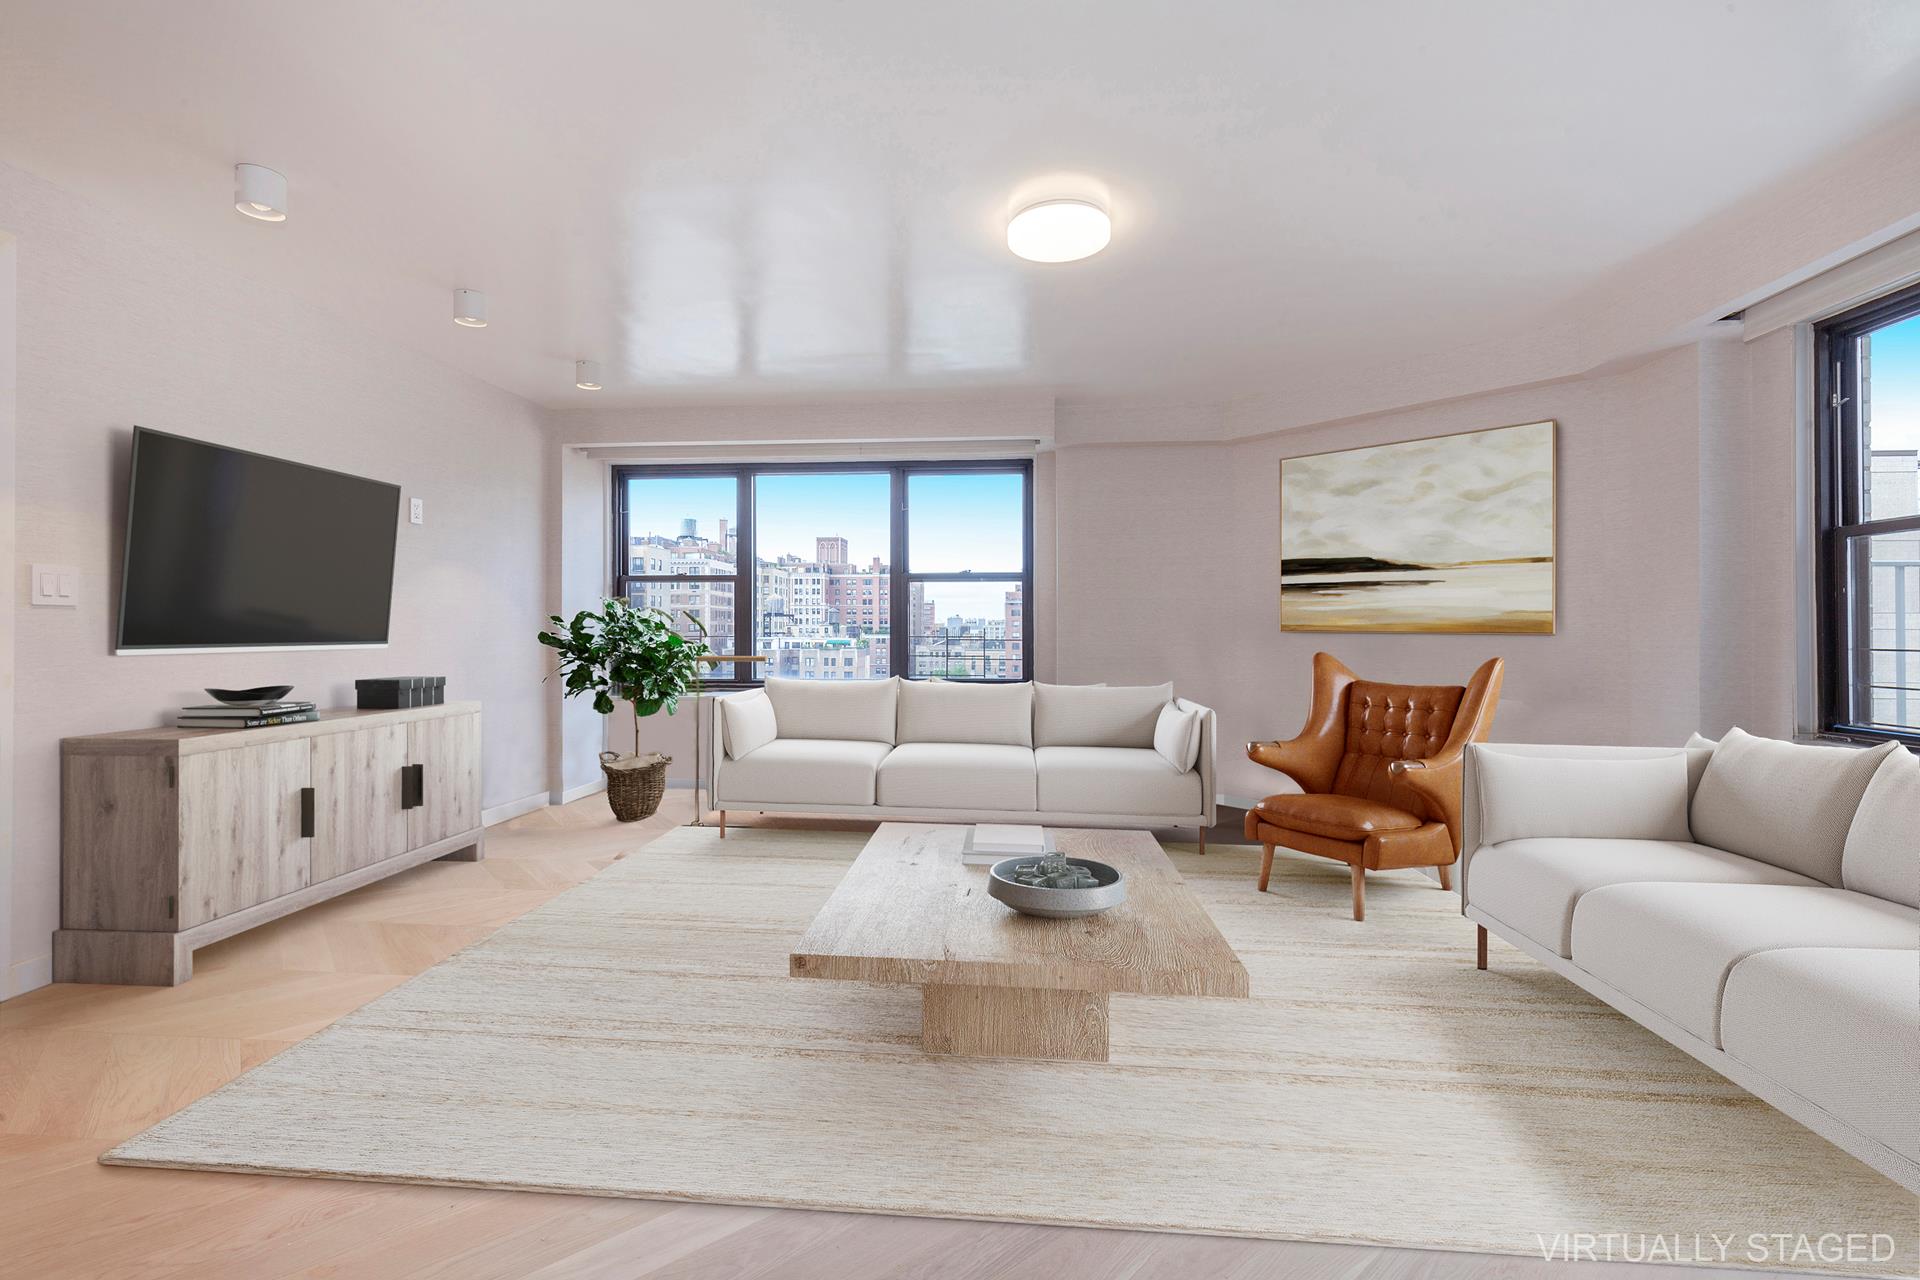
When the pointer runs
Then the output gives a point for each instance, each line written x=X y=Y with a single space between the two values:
x=260 y=192
x=586 y=375
x=470 y=308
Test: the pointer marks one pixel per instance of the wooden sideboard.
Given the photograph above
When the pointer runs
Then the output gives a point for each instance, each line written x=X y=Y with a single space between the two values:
x=174 y=838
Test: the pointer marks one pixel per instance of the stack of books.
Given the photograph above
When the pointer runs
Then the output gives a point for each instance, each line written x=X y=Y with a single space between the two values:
x=989 y=843
x=222 y=716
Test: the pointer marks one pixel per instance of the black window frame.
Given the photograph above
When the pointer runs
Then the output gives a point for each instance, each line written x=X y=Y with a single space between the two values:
x=1839 y=519
x=899 y=580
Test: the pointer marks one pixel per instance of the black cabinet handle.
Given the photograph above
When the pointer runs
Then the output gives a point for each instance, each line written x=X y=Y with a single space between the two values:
x=306 y=811
x=413 y=786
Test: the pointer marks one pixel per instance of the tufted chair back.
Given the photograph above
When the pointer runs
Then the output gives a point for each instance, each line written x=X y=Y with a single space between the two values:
x=1388 y=722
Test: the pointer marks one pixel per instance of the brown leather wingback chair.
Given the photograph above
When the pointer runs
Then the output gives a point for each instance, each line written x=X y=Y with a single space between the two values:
x=1380 y=769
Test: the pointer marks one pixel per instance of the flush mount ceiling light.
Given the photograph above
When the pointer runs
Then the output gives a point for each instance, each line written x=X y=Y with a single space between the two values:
x=260 y=192
x=1059 y=231
x=586 y=375
x=470 y=308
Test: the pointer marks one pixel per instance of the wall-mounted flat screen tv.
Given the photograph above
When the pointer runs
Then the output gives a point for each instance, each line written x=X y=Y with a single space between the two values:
x=234 y=550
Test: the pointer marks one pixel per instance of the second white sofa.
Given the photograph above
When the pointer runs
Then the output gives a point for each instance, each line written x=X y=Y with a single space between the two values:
x=1755 y=902
x=1059 y=755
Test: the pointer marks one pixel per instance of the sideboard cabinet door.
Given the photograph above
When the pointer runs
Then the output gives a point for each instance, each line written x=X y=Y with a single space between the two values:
x=240 y=841
x=445 y=754
x=358 y=820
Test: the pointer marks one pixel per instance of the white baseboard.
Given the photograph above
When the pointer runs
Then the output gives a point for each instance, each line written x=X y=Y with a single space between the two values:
x=580 y=792
x=28 y=975
x=499 y=813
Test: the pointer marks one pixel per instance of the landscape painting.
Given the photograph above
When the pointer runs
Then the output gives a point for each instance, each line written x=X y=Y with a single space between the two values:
x=1449 y=534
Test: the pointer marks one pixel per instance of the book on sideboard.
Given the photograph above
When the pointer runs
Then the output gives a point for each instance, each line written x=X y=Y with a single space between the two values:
x=260 y=719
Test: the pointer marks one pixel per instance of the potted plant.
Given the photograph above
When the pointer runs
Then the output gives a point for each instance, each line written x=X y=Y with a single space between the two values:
x=633 y=655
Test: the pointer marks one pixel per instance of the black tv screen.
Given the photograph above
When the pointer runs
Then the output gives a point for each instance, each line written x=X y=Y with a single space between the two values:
x=228 y=549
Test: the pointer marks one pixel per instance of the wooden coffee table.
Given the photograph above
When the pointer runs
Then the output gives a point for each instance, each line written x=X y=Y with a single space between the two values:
x=1000 y=985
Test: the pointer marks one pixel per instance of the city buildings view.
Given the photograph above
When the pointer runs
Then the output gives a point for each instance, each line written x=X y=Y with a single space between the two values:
x=824 y=617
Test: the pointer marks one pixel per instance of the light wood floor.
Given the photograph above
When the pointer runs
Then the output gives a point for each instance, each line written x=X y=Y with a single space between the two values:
x=82 y=1068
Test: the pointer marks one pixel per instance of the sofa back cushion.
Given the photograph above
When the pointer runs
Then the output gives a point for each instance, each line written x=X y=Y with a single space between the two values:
x=1097 y=715
x=954 y=711
x=1782 y=802
x=1529 y=797
x=1882 y=855
x=849 y=710
x=748 y=722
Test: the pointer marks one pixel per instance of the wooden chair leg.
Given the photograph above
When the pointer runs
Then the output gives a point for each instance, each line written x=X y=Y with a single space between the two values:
x=1203 y=840
x=1359 y=892
x=1266 y=866
x=723 y=824
x=1446 y=877
x=1480 y=961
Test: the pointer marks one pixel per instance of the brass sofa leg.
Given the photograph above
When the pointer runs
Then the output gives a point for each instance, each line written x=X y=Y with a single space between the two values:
x=1266 y=866
x=1480 y=960
x=1359 y=892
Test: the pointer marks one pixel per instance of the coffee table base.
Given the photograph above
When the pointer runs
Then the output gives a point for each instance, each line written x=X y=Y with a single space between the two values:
x=1014 y=1022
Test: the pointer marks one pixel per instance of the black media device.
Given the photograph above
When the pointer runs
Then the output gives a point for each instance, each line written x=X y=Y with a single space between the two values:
x=234 y=550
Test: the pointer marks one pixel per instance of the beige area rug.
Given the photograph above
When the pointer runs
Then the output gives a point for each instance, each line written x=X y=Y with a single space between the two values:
x=637 y=1036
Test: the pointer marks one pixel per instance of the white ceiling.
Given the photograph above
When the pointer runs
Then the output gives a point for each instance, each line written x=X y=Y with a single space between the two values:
x=738 y=200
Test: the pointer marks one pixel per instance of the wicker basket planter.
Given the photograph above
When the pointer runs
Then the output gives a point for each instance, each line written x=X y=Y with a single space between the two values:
x=634 y=784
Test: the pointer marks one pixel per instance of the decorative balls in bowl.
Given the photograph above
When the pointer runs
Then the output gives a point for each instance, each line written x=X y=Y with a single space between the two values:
x=1055 y=886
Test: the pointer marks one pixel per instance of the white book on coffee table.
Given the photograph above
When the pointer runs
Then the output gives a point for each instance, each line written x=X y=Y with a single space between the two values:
x=989 y=843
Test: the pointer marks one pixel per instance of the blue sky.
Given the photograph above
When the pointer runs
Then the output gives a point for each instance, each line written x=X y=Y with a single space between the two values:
x=1896 y=385
x=956 y=522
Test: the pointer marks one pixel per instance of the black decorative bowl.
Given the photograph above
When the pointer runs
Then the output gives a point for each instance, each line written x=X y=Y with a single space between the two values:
x=251 y=697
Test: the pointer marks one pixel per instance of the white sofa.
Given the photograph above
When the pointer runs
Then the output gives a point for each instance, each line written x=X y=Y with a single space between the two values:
x=1755 y=902
x=1062 y=755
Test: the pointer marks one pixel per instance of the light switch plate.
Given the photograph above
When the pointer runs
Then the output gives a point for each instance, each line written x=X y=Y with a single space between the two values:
x=417 y=511
x=54 y=586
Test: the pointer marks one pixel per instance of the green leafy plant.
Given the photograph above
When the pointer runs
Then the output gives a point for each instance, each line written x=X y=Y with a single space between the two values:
x=629 y=654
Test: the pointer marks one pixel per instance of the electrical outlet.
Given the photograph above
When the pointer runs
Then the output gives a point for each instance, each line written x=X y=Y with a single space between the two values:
x=417 y=511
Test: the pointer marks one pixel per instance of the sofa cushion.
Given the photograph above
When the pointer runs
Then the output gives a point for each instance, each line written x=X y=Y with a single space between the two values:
x=1523 y=797
x=1335 y=817
x=1117 y=780
x=1533 y=885
x=1671 y=946
x=802 y=771
x=1782 y=802
x=1097 y=715
x=1176 y=735
x=1840 y=1026
x=960 y=711
x=850 y=710
x=1882 y=854
x=958 y=775
x=748 y=722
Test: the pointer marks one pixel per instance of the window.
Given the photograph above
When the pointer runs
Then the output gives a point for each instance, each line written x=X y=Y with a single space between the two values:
x=837 y=572
x=1869 y=513
x=678 y=552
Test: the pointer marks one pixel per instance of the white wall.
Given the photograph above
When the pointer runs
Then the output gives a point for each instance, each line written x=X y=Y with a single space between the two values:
x=10 y=981
x=1169 y=564
x=116 y=330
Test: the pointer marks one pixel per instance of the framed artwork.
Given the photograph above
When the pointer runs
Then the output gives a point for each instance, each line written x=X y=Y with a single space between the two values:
x=1451 y=534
